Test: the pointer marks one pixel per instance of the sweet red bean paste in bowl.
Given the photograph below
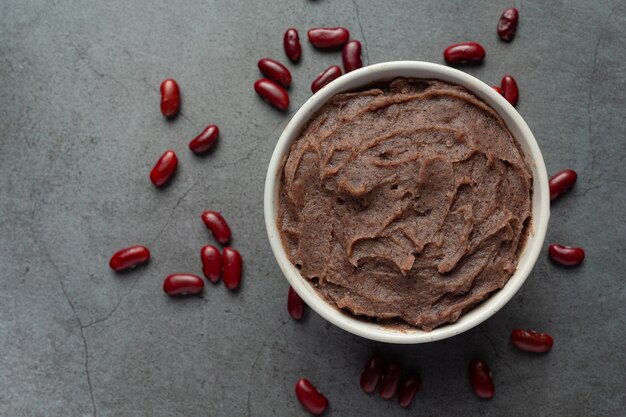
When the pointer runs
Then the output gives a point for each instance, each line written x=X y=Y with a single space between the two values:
x=407 y=202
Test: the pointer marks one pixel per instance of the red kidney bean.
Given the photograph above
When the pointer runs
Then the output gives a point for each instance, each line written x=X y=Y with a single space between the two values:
x=507 y=25
x=329 y=74
x=164 y=168
x=272 y=92
x=481 y=379
x=310 y=398
x=531 y=341
x=351 y=56
x=498 y=90
x=216 y=223
x=211 y=262
x=566 y=255
x=275 y=71
x=183 y=284
x=328 y=38
x=561 y=182
x=295 y=305
x=291 y=43
x=372 y=373
x=232 y=268
x=205 y=140
x=408 y=388
x=390 y=381
x=170 y=98
x=509 y=89
x=129 y=257
x=463 y=53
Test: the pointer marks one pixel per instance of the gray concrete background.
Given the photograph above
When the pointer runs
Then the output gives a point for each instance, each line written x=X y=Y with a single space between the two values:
x=81 y=128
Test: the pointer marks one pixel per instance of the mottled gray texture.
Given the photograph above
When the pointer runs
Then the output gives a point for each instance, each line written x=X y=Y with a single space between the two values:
x=81 y=129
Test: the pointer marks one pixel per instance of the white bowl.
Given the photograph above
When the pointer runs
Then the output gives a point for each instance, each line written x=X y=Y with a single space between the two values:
x=540 y=201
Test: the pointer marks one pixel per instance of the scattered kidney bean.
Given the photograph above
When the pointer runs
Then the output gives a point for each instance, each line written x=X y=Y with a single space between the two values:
x=291 y=43
x=463 y=53
x=509 y=89
x=328 y=38
x=531 y=341
x=372 y=373
x=408 y=388
x=272 y=92
x=211 y=262
x=351 y=56
x=310 y=398
x=481 y=379
x=566 y=255
x=232 y=268
x=498 y=90
x=295 y=305
x=205 y=140
x=329 y=74
x=183 y=284
x=507 y=25
x=164 y=168
x=561 y=182
x=275 y=71
x=129 y=257
x=216 y=223
x=390 y=381
x=170 y=98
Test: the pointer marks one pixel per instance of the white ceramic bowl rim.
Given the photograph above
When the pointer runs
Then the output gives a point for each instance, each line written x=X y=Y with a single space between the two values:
x=540 y=202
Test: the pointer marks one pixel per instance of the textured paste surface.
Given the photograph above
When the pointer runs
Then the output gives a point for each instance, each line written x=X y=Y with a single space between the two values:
x=406 y=202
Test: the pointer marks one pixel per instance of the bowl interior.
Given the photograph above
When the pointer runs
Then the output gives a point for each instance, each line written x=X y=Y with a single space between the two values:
x=540 y=200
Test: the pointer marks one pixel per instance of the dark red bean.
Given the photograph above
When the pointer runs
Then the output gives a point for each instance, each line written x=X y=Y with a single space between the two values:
x=509 y=89
x=408 y=388
x=211 y=262
x=216 y=223
x=183 y=284
x=275 y=71
x=170 y=98
x=498 y=90
x=566 y=255
x=372 y=373
x=390 y=381
x=329 y=74
x=328 y=38
x=310 y=398
x=295 y=305
x=272 y=92
x=232 y=268
x=164 y=168
x=507 y=25
x=463 y=53
x=291 y=43
x=561 y=182
x=129 y=257
x=205 y=140
x=481 y=379
x=351 y=56
x=531 y=341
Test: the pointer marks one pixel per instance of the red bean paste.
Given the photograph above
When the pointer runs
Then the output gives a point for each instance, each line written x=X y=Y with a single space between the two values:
x=407 y=202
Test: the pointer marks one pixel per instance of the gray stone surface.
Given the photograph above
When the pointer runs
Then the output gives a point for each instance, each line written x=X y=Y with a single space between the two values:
x=81 y=129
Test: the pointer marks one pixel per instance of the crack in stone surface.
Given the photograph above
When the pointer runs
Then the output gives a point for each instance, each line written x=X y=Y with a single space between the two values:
x=358 y=19
x=42 y=247
x=251 y=152
x=83 y=56
x=491 y=342
x=590 y=97
x=152 y=243
x=185 y=117
x=256 y=360
x=171 y=214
